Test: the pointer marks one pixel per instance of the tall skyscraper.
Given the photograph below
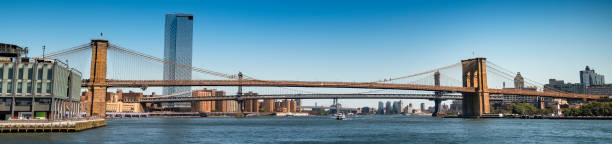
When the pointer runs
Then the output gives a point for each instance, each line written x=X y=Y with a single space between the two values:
x=400 y=106
x=394 y=108
x=381 y=108
x=178 y=40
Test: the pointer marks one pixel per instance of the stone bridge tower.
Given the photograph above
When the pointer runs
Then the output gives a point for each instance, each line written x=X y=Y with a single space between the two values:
x=475 y=76
x=97 y=78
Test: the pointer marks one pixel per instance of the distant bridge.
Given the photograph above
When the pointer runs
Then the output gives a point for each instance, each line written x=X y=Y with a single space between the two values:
x=307 y=96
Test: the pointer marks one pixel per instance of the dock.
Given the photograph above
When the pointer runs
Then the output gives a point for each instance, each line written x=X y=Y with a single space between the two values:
x=28 y=126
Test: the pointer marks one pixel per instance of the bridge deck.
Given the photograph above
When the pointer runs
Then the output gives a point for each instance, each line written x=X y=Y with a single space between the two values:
x=309 y=96
x=368 y=85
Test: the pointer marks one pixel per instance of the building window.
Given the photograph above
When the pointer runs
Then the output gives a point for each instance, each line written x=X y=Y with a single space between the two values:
x=19 y=87
x=20 y=73
x=40 y=74
x=29 y=88
x=1 y=73
x=38 y=87
x=9 y=87
x=30 y=73
x=10 y=73
x=20 y=102
x=49 y=74
x=48 y=88
x=8 y=102
x=43 y=101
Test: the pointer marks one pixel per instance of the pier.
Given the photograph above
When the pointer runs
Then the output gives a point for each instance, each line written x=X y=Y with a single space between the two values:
x=50 y=126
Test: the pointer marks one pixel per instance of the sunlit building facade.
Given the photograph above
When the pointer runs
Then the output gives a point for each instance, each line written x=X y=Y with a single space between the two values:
x=36 y=88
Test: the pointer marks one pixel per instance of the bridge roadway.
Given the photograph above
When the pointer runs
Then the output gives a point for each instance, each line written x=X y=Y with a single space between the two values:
x=368 y=85
x=308 y=96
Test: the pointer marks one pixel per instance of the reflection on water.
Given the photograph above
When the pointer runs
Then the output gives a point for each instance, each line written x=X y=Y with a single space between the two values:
x=360 y=129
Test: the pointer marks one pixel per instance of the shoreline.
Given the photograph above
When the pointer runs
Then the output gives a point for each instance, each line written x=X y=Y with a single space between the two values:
x=540 y=117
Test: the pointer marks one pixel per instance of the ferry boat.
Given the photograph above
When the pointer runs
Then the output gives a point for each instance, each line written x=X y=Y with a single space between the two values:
x=340 y=116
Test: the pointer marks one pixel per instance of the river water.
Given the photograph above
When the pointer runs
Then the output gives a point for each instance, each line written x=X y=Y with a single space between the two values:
x=360 y=129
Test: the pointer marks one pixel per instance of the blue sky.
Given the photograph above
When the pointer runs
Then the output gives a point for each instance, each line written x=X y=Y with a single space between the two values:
x=336 y=40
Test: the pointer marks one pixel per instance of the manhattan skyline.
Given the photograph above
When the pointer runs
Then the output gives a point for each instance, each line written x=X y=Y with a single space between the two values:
x=339 y=41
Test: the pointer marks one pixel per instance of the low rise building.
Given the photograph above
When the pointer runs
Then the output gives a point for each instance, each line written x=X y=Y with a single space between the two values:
x=268 y=105
x=251 y=105
x=36 y=88
x=560 y=85
x=122 y=107
x=605 y=90
x=204 y=106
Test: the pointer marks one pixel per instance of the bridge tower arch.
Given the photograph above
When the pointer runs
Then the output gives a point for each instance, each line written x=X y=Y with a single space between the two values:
x=475 y=104
x=97 y=78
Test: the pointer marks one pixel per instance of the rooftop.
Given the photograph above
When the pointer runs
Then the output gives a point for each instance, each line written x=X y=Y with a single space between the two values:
x=11 y=50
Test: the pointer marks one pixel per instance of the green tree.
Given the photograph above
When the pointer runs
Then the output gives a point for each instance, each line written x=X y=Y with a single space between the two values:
x=593 y=108
x=524 y=109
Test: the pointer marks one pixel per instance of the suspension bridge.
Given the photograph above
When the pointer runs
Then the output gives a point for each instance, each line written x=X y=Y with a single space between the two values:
x=113 y=66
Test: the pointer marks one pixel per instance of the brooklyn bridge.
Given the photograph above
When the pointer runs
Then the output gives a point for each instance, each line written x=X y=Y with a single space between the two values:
x=475 y=81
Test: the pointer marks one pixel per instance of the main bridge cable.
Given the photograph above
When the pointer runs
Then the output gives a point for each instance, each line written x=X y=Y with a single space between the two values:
x=67 y=51
x=450 y=78
x=228 y=76
x=417 y=74
x=388 y=80
x=210 y=72
x=365 y=92
x=529 y=81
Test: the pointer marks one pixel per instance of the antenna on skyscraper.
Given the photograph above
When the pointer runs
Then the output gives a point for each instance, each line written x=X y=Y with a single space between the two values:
x=101 y=34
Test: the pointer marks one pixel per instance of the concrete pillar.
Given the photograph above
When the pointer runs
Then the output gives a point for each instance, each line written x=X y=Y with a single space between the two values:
x=437 y=103
x=73 y=109
x=70 y=108
x=71 y=112
x=475 y=104
x=97 y=79
x=53 y=108
x=14 y=84
x=59 y=109
x=78 y=109
x=62 y=108
x=437 y=100
x=240 y=106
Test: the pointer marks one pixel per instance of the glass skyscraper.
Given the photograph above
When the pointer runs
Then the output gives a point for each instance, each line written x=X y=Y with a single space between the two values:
x=178 y=40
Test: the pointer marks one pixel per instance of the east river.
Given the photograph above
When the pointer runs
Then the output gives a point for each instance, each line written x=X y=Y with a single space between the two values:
x=359 y=129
